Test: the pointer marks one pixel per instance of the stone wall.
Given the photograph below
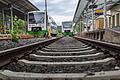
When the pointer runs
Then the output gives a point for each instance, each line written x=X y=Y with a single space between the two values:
x=112 y=36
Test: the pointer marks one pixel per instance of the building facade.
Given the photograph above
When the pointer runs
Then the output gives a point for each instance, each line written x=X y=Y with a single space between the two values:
x=92 y=17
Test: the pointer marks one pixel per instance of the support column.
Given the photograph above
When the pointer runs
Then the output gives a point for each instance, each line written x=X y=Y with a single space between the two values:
x=86 y=24
x=105 y=15
x=3 y=21
x=87 y=20
x=80 y=30
x=81 y=25
x=99 y=35
x=25 y=18
x=46 y=16
x=28 y=21
x=11 y=11
x=93 y=26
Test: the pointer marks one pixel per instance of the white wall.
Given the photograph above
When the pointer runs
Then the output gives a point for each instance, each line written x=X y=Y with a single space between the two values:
x=114 y=12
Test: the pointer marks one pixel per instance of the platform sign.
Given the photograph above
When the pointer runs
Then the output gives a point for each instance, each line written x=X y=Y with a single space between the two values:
x=99 y=12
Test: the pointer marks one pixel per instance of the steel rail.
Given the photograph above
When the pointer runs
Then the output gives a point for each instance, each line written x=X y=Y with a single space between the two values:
x=7 y=55
x=114 y=49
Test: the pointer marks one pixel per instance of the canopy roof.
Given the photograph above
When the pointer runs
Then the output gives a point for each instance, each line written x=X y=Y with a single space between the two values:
x=23 y=5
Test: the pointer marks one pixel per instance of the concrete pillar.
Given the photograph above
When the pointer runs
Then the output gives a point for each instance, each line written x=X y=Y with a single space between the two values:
x=11 y=11
x=26 y=19
x=3 y=21
x=96 y=35
x=79 y=29
x=87 y=20
x=93 y=26
x=93 y=35
x=27 y=22
x=25 y=16
x=87 y=23
x=81 y=26
x=99 y=35
x=105 y=15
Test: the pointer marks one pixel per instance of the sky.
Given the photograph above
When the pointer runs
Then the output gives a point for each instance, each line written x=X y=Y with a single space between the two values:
x=59 y=10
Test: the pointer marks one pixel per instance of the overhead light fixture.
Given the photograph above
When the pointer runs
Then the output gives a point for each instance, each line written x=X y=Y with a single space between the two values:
x=93 y=6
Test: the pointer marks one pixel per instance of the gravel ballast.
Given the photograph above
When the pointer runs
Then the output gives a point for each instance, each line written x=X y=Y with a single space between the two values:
x=7 y=44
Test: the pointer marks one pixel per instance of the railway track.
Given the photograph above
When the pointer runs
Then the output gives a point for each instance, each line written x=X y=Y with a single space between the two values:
x=63 y=59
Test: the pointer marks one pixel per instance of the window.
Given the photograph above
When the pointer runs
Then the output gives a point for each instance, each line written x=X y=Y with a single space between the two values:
x=113 y=20
x=35 y=29
x=67 y=31
x=117 y=19
x=109 y=21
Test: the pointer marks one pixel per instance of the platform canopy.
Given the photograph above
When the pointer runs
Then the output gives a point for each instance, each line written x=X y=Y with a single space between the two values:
x=12 y=8
x=21 y=5
x=80 y=8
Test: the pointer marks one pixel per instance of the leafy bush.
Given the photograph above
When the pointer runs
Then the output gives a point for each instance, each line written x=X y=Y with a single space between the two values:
x=59 y=34
x=15 y=37
x=19 y=28
x=38 y=33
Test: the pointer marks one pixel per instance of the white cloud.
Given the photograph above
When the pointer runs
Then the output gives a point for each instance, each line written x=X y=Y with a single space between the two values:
x=55 y=1
x=60 y=19
x=68 y=11
x=36 y=1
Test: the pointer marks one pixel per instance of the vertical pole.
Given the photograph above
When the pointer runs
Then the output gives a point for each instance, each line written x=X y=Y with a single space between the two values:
x=86 y=21
x=3 y=21
x=46 y=17
x=79 y=24
x=27 y=22
x=105 y=16
x=45 y=24
x=25 y=18
x=93 y=27
x=11 y=11
x=86 y=24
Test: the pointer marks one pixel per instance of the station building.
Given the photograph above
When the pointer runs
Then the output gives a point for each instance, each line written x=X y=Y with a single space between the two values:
x=88 y=19
x=114 y=16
